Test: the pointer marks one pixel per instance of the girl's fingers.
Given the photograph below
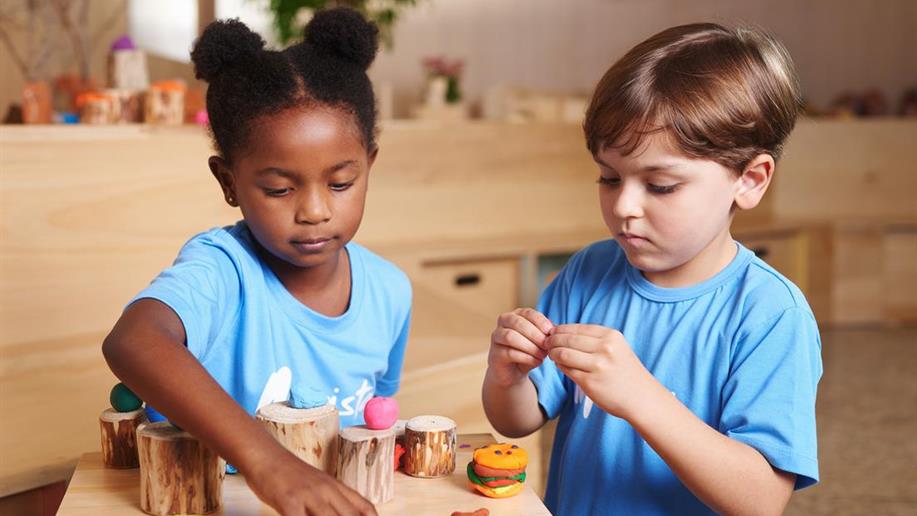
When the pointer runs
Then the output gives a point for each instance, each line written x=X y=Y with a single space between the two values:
x=570 y=358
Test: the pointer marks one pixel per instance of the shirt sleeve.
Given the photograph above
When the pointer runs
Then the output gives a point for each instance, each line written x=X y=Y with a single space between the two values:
x=388 y=384
x=201 y=286
x=769 y=398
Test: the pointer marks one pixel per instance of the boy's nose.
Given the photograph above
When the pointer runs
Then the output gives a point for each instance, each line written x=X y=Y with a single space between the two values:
x=313 y=208
x=629 y=203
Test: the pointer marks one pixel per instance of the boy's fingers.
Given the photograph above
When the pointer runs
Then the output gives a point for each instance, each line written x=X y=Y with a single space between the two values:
x=585 y=343
x=522 y=326
x=359 y=505
x=537 y=318
x=512 y=339
x=592 y=330
x=571 y=358
x=518 y=357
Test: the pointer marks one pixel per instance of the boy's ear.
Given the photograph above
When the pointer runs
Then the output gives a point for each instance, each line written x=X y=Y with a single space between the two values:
x=753 y=182
x=223 y=175
x=371 y=157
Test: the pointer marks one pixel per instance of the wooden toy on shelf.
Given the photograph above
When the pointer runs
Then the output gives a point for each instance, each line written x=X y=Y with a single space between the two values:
x=164 y=103
x=118 y=426
x=429 y=443
x=178 y=473
x=365 y=462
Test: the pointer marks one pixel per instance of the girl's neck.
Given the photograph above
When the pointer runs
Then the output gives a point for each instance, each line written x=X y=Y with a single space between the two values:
x=324 y=288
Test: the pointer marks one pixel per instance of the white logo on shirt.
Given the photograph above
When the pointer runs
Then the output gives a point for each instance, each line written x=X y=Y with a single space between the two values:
x=580 y=397
x=278 y=387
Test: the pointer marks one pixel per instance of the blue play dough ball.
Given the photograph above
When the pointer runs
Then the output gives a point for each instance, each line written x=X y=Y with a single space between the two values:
x=306 y=397
x=230 y=469
x=123 y=399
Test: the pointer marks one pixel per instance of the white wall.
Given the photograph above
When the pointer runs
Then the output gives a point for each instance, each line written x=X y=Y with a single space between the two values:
x=567 y=45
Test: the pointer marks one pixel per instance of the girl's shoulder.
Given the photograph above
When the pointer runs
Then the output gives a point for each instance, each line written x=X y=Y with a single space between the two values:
x=378 y=270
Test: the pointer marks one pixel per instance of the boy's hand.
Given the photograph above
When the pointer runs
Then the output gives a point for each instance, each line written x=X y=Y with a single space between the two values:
x=293 y=487
x=600 y=361
x=517 y=345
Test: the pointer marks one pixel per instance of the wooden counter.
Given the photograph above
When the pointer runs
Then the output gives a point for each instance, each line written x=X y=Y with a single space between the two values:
x=99 y=491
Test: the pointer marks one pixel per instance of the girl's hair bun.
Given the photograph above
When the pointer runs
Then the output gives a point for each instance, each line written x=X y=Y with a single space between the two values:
x=345 y=34
x=223 y=45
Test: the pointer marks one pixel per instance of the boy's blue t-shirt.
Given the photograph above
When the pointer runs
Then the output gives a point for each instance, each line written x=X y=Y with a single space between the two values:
x=257 y=340
x=740 y=350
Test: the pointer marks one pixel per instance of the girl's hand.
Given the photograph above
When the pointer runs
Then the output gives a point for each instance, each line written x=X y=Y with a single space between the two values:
x=517 y=345
x=600 y=361
x=293 y=487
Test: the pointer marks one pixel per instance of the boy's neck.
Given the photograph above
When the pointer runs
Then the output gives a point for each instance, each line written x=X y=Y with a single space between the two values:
x=715 y=257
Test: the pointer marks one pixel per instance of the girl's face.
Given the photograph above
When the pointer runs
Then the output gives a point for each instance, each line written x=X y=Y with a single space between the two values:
x=670 y=213
x=301 y=184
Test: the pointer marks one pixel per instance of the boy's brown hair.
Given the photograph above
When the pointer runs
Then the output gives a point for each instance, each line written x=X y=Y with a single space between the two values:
x=725 y=95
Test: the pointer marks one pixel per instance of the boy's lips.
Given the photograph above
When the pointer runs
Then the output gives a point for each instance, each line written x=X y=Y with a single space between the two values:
x=632 y=239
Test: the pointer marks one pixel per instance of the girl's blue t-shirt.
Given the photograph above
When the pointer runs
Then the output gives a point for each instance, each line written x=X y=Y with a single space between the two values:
x=740 y=350
x=258 y=341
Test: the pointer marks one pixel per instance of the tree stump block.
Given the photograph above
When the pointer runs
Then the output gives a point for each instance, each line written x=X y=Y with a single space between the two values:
x=429 y=443
x=178 y=474
x=365 y=462
x=311 y=434
x=119 y=437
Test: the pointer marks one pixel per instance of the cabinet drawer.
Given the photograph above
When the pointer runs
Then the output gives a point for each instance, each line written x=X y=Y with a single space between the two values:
x=483 y=287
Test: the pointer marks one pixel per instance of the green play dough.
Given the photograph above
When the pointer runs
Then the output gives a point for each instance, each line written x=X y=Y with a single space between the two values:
x=123 y=399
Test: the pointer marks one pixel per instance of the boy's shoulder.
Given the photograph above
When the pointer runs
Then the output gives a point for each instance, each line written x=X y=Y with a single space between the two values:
x=767 y=291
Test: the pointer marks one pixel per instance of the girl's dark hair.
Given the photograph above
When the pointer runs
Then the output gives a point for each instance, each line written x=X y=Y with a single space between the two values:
x=328 y=68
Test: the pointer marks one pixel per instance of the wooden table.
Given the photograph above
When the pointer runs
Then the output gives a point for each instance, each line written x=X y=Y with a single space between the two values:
x=99 y=491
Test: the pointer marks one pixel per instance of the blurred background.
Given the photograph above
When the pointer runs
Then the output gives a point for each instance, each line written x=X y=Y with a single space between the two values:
x=482 y=190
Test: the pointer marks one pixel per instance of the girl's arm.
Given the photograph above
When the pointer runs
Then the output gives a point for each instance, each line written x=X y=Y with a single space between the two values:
x=146 y=350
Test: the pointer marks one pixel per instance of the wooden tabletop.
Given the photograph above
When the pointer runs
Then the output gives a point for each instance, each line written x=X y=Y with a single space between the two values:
x=99 y=491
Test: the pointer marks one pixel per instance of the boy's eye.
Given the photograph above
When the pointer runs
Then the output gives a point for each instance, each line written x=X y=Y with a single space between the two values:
x=276 y=192
x=340 y=187
x=609 y=181
x=662 y=189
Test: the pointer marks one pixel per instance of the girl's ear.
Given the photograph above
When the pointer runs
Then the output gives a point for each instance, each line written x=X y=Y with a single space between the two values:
x=753 y=182
x=371 y=157
x=223 y=175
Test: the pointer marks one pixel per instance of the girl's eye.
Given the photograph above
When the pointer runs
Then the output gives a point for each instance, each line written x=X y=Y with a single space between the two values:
x=609 y=181
x=276 y=192
x=340 y=187
x=662 y=189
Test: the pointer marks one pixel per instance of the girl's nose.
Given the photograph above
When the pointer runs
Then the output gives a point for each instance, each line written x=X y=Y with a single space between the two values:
x=629 y=203
x=313 y=208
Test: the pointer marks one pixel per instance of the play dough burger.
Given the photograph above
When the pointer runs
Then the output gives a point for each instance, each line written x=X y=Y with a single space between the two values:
x=498 y=470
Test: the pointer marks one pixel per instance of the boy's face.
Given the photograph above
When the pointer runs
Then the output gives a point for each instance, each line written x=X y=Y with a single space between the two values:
x=669 y=212
x=301 y=184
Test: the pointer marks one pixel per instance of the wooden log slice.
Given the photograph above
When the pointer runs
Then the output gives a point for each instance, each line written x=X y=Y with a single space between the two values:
x=311 y=434
x=178 y=474
x=119 y=437
x=365 y=462
x=429 y=443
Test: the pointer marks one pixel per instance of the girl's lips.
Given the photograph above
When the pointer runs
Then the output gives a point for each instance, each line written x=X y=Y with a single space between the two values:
x=312 y=245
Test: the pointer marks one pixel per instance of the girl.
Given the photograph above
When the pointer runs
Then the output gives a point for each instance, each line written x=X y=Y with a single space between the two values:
x=282 y=299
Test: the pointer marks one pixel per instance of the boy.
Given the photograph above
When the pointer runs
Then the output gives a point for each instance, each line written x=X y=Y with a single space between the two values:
x=683 y=368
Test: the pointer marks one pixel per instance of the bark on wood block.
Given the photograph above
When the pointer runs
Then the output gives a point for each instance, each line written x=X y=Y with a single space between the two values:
x=178 y=474
x=365 y=462
x=119 y=437
x=429 y=443
x=311 y=434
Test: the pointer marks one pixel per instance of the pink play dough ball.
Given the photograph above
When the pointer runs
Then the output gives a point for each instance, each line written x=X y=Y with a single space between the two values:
x=380 y=413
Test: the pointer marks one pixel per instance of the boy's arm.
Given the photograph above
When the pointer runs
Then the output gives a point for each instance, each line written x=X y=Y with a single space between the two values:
x=729 y=476
x=513 y=410
x=146 y=350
